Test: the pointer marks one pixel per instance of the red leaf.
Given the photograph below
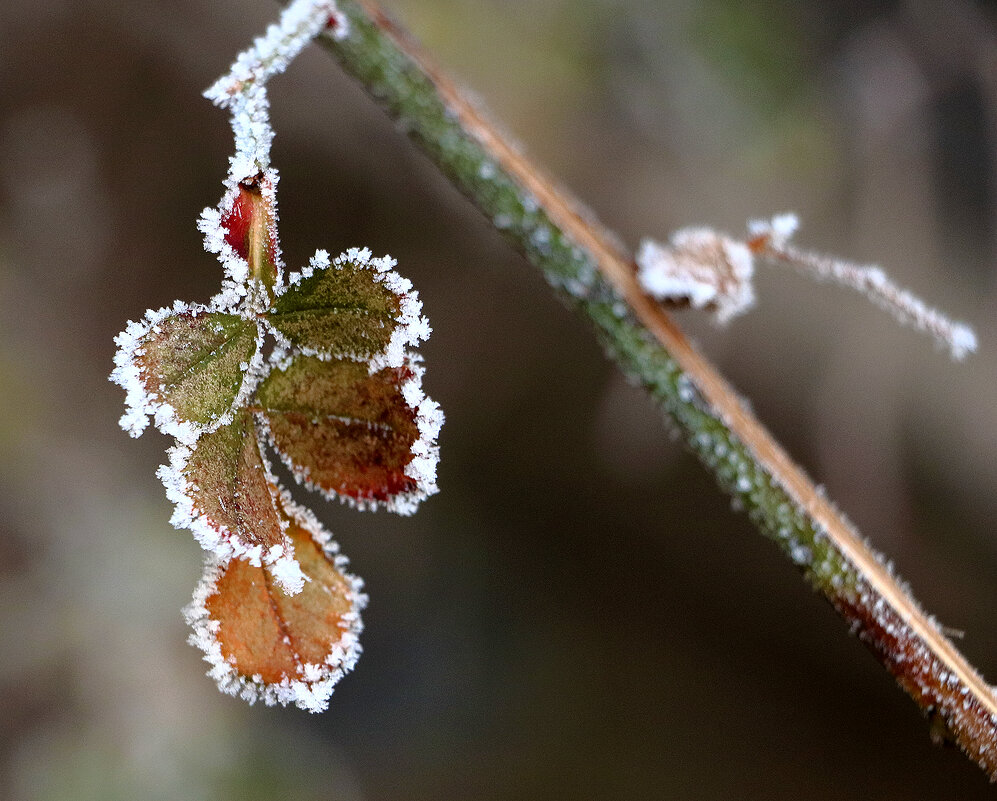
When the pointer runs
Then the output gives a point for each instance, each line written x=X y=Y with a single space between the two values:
x=365 y=437
x=249 y=224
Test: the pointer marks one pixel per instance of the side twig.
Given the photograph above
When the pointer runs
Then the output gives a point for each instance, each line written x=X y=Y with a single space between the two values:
x=596 y=275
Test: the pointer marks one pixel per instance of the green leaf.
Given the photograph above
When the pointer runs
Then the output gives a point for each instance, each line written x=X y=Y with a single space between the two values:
x=185 y=367
x=355 y=308
x=345 y=431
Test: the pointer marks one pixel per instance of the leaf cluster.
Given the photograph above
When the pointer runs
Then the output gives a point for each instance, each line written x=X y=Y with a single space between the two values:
x=316 y=368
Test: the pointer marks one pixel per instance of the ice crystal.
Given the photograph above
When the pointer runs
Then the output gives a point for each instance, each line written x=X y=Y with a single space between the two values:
x=339 y=399
x=701 y=267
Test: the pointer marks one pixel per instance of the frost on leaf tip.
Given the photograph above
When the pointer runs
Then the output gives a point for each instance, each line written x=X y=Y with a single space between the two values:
x=264 y=644
x=357 y=308
x=367 y=438
x=186 y=368
x=226 y=496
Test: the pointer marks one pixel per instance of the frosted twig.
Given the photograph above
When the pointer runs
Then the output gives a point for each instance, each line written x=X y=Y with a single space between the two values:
x=242 y=90
x=771 y=240
x=704 y=268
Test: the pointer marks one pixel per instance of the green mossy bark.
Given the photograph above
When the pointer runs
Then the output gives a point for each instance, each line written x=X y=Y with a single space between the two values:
x=409 y=95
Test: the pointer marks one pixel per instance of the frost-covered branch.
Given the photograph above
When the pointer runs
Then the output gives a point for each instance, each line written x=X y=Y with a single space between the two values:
x=771 y=240
x=589 y=268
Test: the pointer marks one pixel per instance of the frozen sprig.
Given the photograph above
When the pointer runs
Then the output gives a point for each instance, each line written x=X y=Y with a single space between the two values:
x=704 y=268
x=338 y=398
x=243 y=90
x=771 y=240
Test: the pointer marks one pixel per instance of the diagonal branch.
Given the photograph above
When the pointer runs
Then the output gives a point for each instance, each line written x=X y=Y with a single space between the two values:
x=595 y=274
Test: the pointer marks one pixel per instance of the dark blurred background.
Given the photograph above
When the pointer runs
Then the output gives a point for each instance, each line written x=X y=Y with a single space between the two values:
x=578 y=613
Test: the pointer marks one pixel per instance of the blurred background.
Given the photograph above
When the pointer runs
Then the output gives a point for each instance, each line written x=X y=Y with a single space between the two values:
x=578 y=613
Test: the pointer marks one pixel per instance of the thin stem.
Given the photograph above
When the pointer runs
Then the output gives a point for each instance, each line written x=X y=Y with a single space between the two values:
x=596 y=275
x=874 y=284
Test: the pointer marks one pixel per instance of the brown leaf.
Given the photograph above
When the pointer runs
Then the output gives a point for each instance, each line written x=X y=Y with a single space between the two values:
x=226 y=495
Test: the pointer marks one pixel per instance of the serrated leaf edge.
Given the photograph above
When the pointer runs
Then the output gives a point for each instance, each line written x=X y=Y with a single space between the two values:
x=312 y=689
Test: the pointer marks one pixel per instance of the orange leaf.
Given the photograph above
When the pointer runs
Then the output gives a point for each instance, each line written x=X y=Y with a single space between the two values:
x=265 y=644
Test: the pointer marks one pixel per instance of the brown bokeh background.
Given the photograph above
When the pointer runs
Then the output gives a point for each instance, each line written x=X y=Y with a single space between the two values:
x=578 y=613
